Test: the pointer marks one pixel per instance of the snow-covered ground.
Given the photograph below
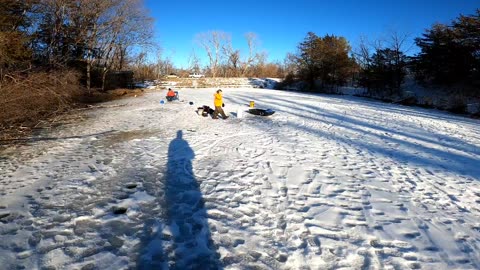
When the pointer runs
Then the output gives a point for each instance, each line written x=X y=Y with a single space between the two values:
x=327 y=182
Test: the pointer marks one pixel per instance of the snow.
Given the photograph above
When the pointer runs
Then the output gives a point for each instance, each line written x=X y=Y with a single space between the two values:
x=327 y=182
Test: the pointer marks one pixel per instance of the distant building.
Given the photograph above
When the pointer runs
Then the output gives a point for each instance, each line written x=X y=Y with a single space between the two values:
x=196 y=75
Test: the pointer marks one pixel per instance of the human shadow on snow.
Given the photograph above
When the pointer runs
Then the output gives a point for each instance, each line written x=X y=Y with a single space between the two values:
x=179 y=237
x=186 y=215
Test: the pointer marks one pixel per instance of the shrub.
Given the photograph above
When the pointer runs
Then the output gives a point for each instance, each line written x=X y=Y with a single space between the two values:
x=408 y=101
x=27 y=99
x=457 y=105
x=287 y=81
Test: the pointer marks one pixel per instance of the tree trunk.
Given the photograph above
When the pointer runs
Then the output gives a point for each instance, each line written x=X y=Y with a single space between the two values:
x=104 y=76
x=89 y=76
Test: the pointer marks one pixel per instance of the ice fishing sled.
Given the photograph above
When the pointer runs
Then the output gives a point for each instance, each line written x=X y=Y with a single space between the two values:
x=261 y=112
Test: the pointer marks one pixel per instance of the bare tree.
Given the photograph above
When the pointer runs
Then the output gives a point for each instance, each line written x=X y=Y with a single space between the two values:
x=194 y=62
x=382 y=63
x=157 y=63
x=213 y=42
x=363 y=52
x=98 y=32
x=398 y=44
x=252 y=42
x=55 y=31
x=94 y=18
x=130 y=26
x=259 y=64
x=290 y=64
x=399 y=41
x=232 y=60
x=119 y=24
x=164 y=66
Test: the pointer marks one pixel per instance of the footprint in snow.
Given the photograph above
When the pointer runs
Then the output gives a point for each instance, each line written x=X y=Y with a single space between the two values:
x=131 y=185
x=4 y=215
x=118 y=210
x=411 y=235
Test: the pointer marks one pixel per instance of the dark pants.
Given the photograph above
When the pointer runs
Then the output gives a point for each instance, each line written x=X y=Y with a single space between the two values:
x=170 y=98
x=219 y=110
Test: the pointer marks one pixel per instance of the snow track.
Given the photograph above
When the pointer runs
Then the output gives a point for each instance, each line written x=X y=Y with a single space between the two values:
x=327 y=182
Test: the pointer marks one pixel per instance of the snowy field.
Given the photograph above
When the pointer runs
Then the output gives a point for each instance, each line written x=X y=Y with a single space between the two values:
x=327 y=182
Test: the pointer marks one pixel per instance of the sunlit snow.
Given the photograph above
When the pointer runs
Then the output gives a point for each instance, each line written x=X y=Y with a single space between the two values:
x=327 y=182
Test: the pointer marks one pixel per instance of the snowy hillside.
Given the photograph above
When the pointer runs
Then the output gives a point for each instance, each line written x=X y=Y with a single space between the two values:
x=327 y=182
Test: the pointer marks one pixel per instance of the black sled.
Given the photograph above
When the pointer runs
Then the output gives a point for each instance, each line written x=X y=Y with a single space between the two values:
x=261 y=112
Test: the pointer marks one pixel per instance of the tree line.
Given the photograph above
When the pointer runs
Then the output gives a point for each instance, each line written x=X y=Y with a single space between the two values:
x=98 y=36
x=52 y=50
x=449 y=57
x=90 y=36
x=222 y=59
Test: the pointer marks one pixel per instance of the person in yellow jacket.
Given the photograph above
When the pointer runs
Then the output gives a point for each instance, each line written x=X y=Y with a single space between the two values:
x=218 y=102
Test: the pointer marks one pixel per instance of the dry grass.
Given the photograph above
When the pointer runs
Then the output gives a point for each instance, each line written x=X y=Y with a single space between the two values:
x=26 y=99
x=43 y=99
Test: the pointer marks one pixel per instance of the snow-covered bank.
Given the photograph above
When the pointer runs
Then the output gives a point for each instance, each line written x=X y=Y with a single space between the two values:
x=327 y=182
x=219 y=82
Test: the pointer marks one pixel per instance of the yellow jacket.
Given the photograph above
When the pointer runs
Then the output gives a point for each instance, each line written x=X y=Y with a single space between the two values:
x=218 y=100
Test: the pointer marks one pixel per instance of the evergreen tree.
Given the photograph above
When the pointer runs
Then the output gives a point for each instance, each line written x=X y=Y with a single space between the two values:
x=325 y=59
x=467 y=29
x=336 y=64
x=450 y=54
x=309 y=58
x=387 y=71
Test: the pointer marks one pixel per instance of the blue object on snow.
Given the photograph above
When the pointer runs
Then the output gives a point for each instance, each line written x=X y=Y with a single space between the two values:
x=162 y=101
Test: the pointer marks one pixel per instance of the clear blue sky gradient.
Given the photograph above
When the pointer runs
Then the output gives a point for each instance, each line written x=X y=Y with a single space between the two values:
x=281 y=25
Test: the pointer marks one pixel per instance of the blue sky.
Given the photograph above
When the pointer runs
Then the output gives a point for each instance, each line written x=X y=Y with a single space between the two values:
x=281 y=25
